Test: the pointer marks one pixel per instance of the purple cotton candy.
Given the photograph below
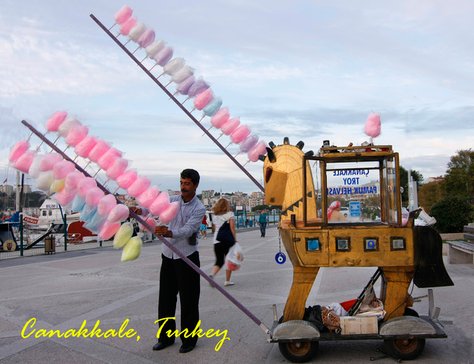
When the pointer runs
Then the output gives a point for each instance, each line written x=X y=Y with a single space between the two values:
x=257 y=150
x=184 y=86
x=146 y=38
x=248 y=143
x=213 y=107
x=163 y=56
x=198 y=87
x=137 y=31
x=154 y=48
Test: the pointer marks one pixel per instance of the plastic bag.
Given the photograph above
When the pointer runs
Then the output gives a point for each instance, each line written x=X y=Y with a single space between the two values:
x=234 y=257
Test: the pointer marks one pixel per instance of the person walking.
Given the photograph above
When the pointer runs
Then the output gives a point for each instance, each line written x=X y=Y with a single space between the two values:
x=262 y=220
x=176 y=276
x=222 y=214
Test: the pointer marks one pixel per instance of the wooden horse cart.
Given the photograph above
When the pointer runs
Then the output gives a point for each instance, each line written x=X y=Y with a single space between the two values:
x=371 y=233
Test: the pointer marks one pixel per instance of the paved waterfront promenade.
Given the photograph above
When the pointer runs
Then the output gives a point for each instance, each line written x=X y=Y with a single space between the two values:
x=63 y=290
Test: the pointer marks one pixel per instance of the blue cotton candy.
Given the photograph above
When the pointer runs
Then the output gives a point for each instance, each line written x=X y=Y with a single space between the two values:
x=87 y=213
x=95 y=222
x=78 y=203
x=213 y=107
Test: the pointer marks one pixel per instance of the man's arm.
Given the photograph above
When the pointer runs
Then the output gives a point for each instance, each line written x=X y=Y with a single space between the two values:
x=192 y=225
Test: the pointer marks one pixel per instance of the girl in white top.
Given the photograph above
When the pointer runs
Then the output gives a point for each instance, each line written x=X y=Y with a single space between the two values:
x=222 y=213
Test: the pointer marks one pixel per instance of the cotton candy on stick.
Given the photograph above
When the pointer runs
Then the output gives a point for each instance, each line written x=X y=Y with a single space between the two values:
x=135 y=33
x=145 y=39
x=121 y=16
x=257 y=151
x=67 y=125
x=123 y=235
x=184 y=86
x=173 y=66
x=212 y=108
x=85 y=146
x=373 y=125
x=162 y=57
x=153 y=49
x=146 y=198
x=127 y=26
x=160 y=204
x=229 y=126
x=55 y=120
x=76 y=134
x=126 y=179
x=203 y=99
x=248 y=143
x=108 y=230
x=219 y=118
x=119 y=213
x=49 y=161
x=169 y=213
x=132 y=249
x=18 y=150
x=182 y=74
x=24 y=161
x=109 y=158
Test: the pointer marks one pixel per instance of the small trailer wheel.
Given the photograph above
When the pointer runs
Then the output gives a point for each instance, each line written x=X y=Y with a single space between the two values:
x=299 y=351
x=405 y=349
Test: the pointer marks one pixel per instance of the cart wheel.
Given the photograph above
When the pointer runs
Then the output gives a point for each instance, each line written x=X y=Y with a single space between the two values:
x=410 y=312
x=299 y=351
x=406 y=349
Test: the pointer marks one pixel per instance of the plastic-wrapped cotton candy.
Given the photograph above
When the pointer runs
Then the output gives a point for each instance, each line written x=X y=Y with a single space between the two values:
x=127 y=26
x=117 y=168
x=230 y=126
x=198 y=87
x=163 y=56
x=169 y=213
x=108 y=230
x=84 y=147
x=212 y=107
x=154 y=48
x=72 y=180
x=126 y=179
x=64 y=197
x=48 y=161
x=95 y=223
x=24 y=161
x=256 y=151
x=56 y=186
x=109 y=158
x=62 y=169
x=220 y=117
x=123 y=14
x=55 y=120
x=149 y=220
x=78 y=203
x=174 y=65
x=160 y=204
x=99 y=150
x=373 y=125
x=132 y=249
x=239 y=134
x=87 y=213
x=93 y=196
x=202 y=99
x=139 y=186
x=146 y=38
x=18 y=149
x=44 y=181
x=76 y=134
x=148 y=196
x=248 y=143
x=34 y=170
x=137 y=31
x=84 y=185
x=118 y=214
x=182 y=74
x=67 y=125
x=106 y=204
x=184 y=86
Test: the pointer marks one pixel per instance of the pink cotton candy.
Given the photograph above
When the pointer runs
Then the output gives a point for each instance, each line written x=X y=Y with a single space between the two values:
x=160 y=203
x=239 y=134
x=127 y=25
x=106 y=204
x=146 y=198
x=174 y=65
x=64 y=197
x=163 y=56
x=151 y=222
x=182 y=74
x=146 y=38
x=248 y=143
x=99 y=150
x=220 y=118
x=76 y=134
x=117 y=168
x=85 y=185
x=93 y=196
x=169 y=213
x=127 y=178
x=230 y=126
x=137 y=31
x=118 y=214
x=62 y=169
x=67 y=125
x=123 y=14
x=204 y=98
x=18 y=149
x=84 y=147
x=108 y=230
x=34 y=170
x=373 y=125
x=185 y=85
x=154 y=48
x=55 y=120
x=138 y=187
x=109 y=158
x=256 y=151
x=23 y=163
x=49 y=160
x=72 y=180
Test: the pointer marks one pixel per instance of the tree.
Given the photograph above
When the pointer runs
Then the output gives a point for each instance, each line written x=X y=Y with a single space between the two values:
x=451 y=214
x=459 y=180
x=431 y=193
x=417 y=176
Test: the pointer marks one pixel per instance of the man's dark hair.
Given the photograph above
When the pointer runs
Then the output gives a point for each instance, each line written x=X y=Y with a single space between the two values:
x=192 y=174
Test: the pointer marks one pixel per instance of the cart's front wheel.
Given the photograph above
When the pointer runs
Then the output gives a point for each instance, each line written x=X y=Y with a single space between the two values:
x=298 y=351
x=405 y=349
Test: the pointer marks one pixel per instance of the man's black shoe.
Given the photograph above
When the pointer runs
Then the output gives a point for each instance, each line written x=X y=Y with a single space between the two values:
x=161 y=345
x=186 y=348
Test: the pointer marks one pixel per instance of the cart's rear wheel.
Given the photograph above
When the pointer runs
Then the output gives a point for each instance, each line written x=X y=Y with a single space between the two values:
x=406 y=349
x=299 y=351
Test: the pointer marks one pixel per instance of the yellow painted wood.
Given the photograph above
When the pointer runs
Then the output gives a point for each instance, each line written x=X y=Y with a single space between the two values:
x=394 y=290
x=303 y=279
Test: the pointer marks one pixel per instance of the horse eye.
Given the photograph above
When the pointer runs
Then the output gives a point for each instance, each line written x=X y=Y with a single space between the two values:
x=268 y=174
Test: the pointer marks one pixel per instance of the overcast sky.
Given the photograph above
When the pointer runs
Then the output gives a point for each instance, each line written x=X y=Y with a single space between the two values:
x=309 y=70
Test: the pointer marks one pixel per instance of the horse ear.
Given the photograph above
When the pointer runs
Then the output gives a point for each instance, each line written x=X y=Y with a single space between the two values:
x=271 y=145
x=286 y=140
x=271 y=155
x=309 y=153
x=300 y=145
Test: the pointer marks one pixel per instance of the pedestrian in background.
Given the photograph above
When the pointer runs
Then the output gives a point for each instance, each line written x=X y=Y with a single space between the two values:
x=262 y=220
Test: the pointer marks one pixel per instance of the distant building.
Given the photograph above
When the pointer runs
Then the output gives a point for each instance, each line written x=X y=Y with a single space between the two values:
x=8 y=189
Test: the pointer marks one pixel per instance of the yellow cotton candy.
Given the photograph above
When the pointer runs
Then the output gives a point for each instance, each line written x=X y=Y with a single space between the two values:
x=57 y=186
x=123 y=235
x=132 y=249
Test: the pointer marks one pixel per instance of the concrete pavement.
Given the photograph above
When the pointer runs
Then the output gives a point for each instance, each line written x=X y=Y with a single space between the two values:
x=63 y=290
